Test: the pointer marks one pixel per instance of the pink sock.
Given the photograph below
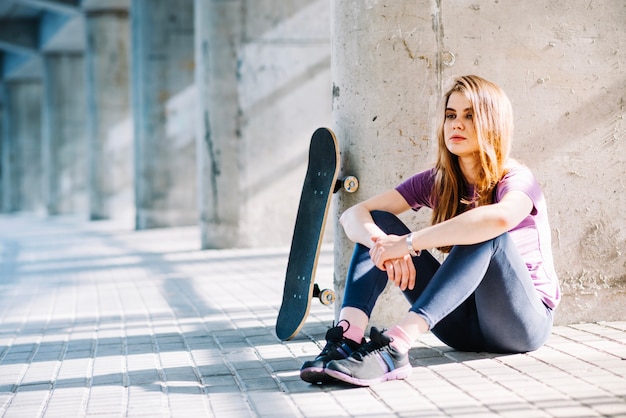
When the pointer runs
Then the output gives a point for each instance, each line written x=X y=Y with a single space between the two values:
x=351 y=332
x=400 y=340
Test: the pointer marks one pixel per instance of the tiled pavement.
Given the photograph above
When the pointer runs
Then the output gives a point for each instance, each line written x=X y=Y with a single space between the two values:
x=97 y=319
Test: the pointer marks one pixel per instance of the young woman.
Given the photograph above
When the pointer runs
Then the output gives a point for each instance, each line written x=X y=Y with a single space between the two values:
x=497 y=287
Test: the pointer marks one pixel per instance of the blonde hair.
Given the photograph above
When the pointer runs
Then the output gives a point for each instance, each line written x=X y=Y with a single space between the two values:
x=493 y=121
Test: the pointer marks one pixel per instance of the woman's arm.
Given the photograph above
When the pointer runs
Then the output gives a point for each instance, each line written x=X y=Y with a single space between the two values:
x=357 y=221
x=390 y=252
x=359 y=226
x=471 y=227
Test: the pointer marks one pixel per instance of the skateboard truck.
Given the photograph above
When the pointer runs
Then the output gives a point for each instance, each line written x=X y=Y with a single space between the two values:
x=349 y=183
x=326 y=296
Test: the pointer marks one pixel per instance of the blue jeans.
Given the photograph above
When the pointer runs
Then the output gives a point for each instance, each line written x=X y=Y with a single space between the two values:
x=480 y=299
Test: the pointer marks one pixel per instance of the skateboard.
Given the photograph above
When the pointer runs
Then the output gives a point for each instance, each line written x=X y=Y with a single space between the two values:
x=320 y=183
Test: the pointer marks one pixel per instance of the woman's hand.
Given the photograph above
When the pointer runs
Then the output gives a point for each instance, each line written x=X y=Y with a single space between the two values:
x=389 y=253
x=387 y=247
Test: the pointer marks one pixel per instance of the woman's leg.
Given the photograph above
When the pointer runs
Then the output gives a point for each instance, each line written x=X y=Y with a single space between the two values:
x=480 y=299
x=483 y=299
x=365 y=282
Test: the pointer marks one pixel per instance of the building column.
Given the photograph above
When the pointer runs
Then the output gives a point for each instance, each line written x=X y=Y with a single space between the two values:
x=285 y=94
x=218 y=38
x=164 y=100
x=110 y=177
x=21 y=147
x=384 y=90
x=64 y=133
x=4 y=144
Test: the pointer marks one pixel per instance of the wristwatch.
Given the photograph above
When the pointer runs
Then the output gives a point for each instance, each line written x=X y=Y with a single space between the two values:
x=409 y=245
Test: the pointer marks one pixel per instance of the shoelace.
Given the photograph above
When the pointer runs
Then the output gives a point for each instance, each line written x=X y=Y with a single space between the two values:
x=330 y=346
x=376 y=342
x=364 y=351
x=334 y=337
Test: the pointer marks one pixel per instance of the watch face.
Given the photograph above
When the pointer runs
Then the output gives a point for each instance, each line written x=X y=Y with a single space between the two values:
x=409 y=245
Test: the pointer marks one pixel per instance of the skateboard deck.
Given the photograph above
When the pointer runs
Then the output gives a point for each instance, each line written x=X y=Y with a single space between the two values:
x=319 y=184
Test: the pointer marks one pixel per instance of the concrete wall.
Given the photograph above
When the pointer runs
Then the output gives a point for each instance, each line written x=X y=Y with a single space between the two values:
x=560 y=64
x=217 y=43
x=163 y=95
x=64 y=127
x=284 y=96
x=264 y=74
x=385 y=86
x=110 y=169
x=3 y=125
x=22 y=175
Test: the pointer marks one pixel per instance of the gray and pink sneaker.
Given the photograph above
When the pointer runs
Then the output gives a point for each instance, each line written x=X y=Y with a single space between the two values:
x=373 y=363
x=337 y=347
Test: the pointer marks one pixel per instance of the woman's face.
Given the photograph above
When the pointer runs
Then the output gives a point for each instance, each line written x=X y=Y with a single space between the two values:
x=458 y=127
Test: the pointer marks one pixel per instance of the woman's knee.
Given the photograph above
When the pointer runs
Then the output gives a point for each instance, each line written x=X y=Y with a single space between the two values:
x=521 y=341
x=389 y=223
x=504 y=242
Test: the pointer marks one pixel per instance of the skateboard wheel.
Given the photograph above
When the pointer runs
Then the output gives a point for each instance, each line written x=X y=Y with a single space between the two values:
x=327 y=297
x=349 y=183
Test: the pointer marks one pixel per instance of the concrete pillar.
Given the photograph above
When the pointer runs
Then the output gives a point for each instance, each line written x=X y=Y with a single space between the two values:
x=263 y=74
x=111 y=193
x=218 y=26
x=558 y=61
x=164 y=100
x=284 y=95
x=4 y=141
x=21 y=147
x=385 y=88
x=65 y=133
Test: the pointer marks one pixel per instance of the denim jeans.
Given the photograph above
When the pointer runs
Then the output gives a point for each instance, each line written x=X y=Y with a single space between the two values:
x=481 y=298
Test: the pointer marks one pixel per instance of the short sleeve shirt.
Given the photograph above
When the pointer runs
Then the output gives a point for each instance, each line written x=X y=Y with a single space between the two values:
x=532 y=236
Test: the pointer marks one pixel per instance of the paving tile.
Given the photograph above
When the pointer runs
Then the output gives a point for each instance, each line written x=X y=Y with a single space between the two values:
x=100 y=320
x=230 y=404
x=66 y=401
x=360 y=402
x=318 y=405
x=29 y=400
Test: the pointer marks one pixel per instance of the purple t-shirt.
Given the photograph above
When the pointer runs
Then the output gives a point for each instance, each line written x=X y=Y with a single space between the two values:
x=532 y=236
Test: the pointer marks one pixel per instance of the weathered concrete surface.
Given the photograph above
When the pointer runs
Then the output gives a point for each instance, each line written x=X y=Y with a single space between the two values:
x=20 y=133
x=284 y=95
x=384 y=89
x=4 y=114
x=263 y=77
x=560 y=64
x=64 y=134
x=218 y=39
x=110 y=169
x=164 y=100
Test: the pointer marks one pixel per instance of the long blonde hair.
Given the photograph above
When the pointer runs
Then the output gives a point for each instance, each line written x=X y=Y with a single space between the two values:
x=493 y=122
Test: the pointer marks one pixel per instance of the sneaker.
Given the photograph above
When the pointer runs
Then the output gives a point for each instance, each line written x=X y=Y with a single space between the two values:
x=337 y=347
x=374 y=362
